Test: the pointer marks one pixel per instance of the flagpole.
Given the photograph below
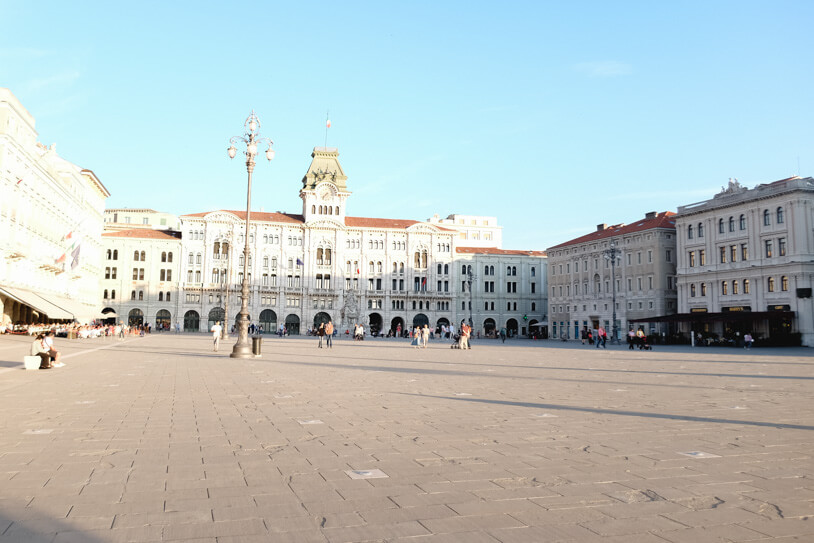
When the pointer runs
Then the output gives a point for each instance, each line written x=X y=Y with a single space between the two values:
x=327 y=121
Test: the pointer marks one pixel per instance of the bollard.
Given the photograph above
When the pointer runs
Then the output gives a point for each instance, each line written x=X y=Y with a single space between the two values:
x=256 y=341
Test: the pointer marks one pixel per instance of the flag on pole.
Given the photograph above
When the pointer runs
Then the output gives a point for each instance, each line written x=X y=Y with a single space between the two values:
x=20 y=179
x=75 y=255
x=424 y=282
x=328 y=123
x=300 y=263
x=61 y=259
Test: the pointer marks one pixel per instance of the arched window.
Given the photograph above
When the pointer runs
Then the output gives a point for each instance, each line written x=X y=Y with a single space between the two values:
x=105 y=295
x=735 y=287
x=770 y=284
x=313 y=209
x=167 y=297
x=160 y=296
x=113 y=294
x=508 y=270
x=135 y=256
x=689 y=232
x=164 y=256
x=133 y=295
x=767 y=220
x=440 y=267
x=337 y=210
x=731 y=224
x=724 y=288
x=692 y=291
x=319 y=256
x=109 y=253
x=742 y=222
x=784 y=283
x=779 y=215
x=395 y=267
x=169 y=257
x=720 y=226
x=141 y=295
x=700 y=230
x=115 y=254
x=746 y=286
x=491 y=270
x=330 y=210
x=514 y=270
x=446 y=269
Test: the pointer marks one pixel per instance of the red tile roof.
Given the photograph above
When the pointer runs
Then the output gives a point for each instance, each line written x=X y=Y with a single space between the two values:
x=141 y=233
x=353 y=222
x=369 y=222
x=256 y=215
x=496 y=251
x=664 y=219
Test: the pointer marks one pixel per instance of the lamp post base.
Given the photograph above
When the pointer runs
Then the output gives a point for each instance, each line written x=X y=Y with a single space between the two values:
x=242 y=350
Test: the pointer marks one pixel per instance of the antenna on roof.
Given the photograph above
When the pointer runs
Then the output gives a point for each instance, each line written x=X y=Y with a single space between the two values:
x=798 y=165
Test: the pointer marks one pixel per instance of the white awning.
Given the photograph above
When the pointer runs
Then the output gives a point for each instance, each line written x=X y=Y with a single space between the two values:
x=37 y=302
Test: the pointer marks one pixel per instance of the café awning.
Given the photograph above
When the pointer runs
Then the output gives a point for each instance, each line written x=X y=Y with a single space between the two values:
x=37 y=303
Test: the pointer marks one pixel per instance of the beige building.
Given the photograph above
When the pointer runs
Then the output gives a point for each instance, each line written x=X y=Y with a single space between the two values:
x=582 y=285
x=131 y=219
x=746 y=263
x=473 y=230
x=141 y=276
x=50 y=226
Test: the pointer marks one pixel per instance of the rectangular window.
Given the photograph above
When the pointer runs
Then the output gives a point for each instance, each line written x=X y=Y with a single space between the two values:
x=649 y=256
x=723 y=255
x=733 y=253
x=135 y=274
x=692 y=259
x=702 y=257
x=639 y=282
x=768 y=244
x=744 y=252
x=628 y=260
x=668 y=255
x=650 y=283
x=781 y=246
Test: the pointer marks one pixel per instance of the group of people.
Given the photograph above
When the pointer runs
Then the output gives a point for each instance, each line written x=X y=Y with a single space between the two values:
x=325 y=332
x=598 y=337
x=43 y=347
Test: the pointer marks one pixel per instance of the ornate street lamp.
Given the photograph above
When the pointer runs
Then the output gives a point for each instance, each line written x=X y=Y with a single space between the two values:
x=610 y=254
x=251 y=137
x=469 y=278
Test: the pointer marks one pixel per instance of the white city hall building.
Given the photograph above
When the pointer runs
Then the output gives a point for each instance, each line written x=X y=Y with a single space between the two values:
x=323 y=264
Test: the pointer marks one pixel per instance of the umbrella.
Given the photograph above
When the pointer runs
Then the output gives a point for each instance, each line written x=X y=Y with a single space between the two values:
x=109 y=315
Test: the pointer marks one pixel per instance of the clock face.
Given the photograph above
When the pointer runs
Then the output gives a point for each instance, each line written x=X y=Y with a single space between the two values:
x=325 y=194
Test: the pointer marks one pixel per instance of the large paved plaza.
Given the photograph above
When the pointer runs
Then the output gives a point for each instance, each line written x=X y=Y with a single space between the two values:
x=161 y=439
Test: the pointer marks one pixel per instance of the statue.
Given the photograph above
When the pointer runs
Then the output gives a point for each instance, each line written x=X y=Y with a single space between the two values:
x=350 y=308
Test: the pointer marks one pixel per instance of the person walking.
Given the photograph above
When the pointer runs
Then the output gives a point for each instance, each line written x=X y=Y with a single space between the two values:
x=465 y=333
x=329 y=333
x=603 y=338
x=216 y=330
x=425 y=335
x=321 y=333
x=747 y=341
x=631 y=339
x=640 y=337
x=503 y=334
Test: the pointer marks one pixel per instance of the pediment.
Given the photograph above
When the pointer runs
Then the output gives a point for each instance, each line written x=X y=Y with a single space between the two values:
x=324 y=222
x=422 y=228
x=221 y=216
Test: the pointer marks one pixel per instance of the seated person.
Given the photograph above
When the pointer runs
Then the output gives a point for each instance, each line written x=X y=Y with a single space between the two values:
x=53 y=353
x=40 y=348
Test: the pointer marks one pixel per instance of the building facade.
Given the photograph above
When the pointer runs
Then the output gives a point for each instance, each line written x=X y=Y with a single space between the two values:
x=141 y=275
x=131 y=219
x=51 y=217
x=324 y=264
x=746 y=262
x=583 y=278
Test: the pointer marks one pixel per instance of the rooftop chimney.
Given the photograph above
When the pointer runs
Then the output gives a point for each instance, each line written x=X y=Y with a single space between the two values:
x=601 y=227
x=650 y=215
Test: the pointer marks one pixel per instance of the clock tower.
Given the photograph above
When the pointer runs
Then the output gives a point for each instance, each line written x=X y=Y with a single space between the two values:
x=324 y=190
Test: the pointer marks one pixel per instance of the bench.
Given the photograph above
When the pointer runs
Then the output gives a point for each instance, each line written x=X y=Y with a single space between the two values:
x=32 y=362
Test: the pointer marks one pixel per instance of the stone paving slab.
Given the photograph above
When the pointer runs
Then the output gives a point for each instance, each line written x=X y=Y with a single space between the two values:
x=159 y=439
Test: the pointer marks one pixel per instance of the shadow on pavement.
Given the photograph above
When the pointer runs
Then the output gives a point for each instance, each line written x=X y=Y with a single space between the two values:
x=600 y=411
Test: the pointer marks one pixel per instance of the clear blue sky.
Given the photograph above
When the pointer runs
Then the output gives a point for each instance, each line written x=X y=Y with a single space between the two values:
x=552 y=116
